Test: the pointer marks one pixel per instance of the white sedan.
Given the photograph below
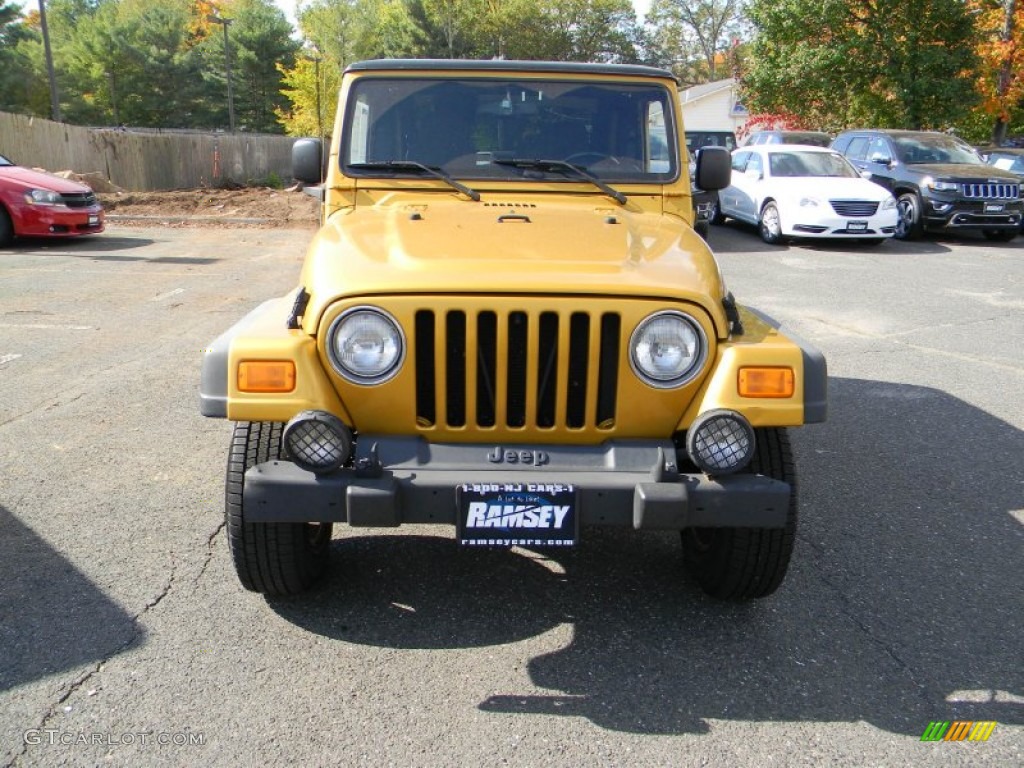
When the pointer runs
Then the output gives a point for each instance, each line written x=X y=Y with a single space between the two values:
x=801 y=191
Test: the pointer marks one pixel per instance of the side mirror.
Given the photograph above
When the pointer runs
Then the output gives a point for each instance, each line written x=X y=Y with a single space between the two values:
x=307 y=161
x=714 y=168
x=881 y=159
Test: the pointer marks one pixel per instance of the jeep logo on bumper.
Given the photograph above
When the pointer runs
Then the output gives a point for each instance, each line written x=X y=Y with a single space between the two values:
x=507 y=456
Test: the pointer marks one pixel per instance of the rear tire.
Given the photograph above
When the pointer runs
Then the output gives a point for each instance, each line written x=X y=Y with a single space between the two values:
x=6 y=228
x=715 y=215
x=745 y=563
x=272 y=558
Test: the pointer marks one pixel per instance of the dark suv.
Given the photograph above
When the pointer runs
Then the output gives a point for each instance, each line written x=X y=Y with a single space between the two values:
x=939 y=182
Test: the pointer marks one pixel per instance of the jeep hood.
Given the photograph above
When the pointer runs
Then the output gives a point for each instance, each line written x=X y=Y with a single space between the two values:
x=964 y=171
x=521 y=246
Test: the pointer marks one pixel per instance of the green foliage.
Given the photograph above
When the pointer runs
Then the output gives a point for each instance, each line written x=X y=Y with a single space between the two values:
x=18 y=72
x=696 y=38
x=888 y=63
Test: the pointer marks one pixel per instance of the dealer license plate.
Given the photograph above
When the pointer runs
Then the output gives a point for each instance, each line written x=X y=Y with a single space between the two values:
x=994 y=207
x=517 y=515
x=94 y=219
x=856 y=226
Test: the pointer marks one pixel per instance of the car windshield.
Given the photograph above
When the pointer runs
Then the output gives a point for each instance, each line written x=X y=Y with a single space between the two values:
x=463 y=127
x=697 y=139
x=934 y=149
x=810 y=164
x=1007 y=162
x=814 y=139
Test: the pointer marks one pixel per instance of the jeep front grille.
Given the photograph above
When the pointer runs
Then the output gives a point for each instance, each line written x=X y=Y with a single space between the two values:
x=516 y=369
x=863 y=208
x=1007 y=191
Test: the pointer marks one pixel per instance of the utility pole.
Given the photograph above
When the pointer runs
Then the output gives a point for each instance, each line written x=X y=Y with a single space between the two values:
x=54 y=101
x=227 y=67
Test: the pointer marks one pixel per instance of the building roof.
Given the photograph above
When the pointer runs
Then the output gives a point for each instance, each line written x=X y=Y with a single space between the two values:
x=706 y=89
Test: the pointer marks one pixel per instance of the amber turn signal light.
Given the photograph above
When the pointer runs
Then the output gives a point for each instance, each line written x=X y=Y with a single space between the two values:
x=767 y=382
x=266 y=376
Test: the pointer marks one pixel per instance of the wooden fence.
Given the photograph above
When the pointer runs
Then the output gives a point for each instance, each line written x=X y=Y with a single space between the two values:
x=143 y=161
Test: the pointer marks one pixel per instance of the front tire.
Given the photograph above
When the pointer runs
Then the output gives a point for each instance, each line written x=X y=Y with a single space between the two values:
x=770 y=224
x=715 y=215
x=272 y=558
x=6 y=228
x=746 y=563
x=908 y=223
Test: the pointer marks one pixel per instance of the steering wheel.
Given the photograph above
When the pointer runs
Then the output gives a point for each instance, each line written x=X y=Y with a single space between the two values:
x=587 y=159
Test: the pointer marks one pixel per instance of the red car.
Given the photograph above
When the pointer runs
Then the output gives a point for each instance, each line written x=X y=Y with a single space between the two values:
x=35 y=204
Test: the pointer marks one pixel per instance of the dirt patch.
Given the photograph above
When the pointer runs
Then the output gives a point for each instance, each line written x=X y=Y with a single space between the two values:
x=248 y=207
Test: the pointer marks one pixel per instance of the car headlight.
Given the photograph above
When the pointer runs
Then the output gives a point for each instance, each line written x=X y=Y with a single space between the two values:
x=366 y=345
x=889 y=203
x=43 y=197
x=940 y=186
x=667 y=349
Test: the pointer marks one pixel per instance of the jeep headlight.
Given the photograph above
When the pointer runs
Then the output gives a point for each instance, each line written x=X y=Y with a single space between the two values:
x=366 y=345
x=940 y=186
x=667 y=349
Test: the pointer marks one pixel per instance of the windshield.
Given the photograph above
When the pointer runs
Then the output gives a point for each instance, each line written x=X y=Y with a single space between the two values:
x=464 y=126
x=810 y=164
x=1007 y=162
x=697 y=139
x=934 y=149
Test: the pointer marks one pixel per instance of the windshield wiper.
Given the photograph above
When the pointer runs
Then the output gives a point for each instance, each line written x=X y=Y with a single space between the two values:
x=412 y=165
x=562 y=165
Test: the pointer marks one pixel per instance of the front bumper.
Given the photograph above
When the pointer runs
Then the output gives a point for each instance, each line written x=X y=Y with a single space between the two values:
x=882 y=224
x=408 y=480
x=58 y=221
x=942 y=214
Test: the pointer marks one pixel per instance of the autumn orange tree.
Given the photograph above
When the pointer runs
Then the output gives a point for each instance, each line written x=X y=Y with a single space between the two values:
x=1000 y=78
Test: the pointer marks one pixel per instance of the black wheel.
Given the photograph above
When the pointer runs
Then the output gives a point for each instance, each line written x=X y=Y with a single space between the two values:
x=272 y=558
x=1000 y=235
x=715 y=215
x=6 y=228
x=770 y=224
x=908 y=221
x=701 y=227
x=745 y=563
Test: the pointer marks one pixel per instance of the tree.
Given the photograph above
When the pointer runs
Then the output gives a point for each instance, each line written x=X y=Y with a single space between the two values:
x=696 y=37
x=887 y=63
x=17 y=73
x=259 y=39
x=1000 y=24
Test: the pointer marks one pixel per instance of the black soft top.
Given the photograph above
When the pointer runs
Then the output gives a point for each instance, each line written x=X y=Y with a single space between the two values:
x=473 y=65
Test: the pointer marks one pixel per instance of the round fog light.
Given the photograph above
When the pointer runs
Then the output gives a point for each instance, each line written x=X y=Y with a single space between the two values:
x=720 y=442
x=318 y=441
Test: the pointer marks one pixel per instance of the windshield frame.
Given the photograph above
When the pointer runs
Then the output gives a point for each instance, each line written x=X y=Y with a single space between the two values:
x=476 y=164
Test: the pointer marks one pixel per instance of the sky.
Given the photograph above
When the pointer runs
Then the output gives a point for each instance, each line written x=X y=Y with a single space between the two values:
x=288 y=6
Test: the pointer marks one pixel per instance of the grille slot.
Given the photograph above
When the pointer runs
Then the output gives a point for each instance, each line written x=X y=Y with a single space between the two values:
x=78 y=199
x=1008 y=191
x=528 y=369
x=854 y=207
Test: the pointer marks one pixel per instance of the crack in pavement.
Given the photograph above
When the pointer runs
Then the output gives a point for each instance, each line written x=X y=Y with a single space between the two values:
x=77 y=684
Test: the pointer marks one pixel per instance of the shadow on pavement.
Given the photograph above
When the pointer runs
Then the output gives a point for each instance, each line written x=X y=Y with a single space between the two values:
x=902 y=606
x=84 y=246
x=52 y=617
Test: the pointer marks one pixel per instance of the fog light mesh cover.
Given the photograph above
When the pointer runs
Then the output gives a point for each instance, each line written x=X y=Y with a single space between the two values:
x=318 y=441
x=720 y=442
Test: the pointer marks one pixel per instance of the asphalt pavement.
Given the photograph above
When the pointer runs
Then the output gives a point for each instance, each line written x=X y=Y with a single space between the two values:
x=125 y=638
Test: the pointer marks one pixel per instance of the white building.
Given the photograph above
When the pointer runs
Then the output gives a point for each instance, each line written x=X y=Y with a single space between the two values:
x=713 y=107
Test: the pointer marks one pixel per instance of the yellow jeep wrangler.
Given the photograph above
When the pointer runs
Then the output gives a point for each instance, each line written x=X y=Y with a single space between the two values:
x=508 y=324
